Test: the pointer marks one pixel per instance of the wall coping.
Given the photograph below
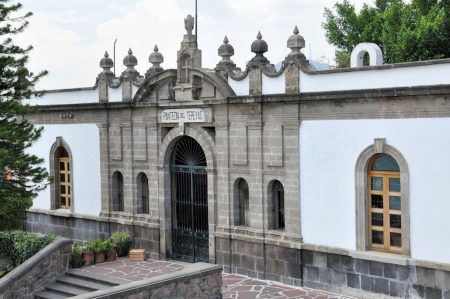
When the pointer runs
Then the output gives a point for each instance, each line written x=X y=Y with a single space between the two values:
x=381 y=257
x=25 y=267
x=189 y=272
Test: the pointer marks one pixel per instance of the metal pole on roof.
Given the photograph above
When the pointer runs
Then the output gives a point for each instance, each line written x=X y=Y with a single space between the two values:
x=196 y=22
x=115 y=57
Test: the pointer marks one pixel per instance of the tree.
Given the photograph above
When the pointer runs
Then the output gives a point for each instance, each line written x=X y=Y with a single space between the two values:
x=414 y=31
x=21 y=176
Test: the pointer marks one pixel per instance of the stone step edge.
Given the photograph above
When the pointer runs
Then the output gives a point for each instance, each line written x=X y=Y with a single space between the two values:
x=94 y=277
x=82 y=283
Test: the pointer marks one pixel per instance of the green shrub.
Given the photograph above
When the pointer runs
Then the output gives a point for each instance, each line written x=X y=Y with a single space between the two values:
x=98 y=246
x=76 y=250
x=2 y=272
x=121 y=240
x=18 y=246
x=89 y=247
x=107 y=244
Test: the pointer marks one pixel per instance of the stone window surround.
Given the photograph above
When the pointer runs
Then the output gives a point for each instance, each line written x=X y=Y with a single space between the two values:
x=54 y=205
x=270 y=214
x=361 y=174
x=238 y=202
x=138 y=189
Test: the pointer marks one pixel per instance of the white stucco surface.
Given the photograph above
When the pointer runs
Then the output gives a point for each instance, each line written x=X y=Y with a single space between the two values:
x=273 y=85
x=65 y=97
x=329 y=150
x=396 y=77
x=84 y=143
x=241 y=88
x=115 y=94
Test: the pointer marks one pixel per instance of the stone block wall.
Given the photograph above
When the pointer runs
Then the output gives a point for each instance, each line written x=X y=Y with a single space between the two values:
x=257 y=260
x=85 y=229
x=37 y=272
x=198 y=280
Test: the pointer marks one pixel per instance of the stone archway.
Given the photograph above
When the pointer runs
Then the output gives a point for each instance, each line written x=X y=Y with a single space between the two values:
x=165 y=161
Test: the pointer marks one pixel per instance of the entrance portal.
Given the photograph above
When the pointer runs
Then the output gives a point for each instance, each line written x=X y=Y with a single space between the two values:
x=190 y=235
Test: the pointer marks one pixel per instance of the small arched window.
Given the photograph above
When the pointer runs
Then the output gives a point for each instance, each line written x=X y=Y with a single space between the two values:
x=63 y=177
x=241 y=196
x=142 y=194
x=117 y=192
x=277 y=205
x=385 y=204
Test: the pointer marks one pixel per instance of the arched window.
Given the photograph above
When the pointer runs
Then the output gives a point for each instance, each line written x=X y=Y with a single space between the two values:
x=241 y=198
x=117 y=191
x=277 y=205
x=142 y=194
x=385 y=204
x=63 y=177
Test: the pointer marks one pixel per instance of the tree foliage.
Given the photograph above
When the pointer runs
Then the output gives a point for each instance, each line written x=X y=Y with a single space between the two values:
x=21 y=176
x=414 y=31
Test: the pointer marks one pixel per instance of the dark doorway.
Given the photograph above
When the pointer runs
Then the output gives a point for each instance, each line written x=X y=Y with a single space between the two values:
x=190 y=236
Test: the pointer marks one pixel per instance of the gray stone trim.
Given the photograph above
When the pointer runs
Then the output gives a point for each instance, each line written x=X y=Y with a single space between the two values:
x=190 y=272
x=64 y=90
x=361 y=170
x=54 y=185
x=58 y=251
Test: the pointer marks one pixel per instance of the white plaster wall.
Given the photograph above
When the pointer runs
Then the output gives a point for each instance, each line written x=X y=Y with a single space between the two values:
x=329 y=150
x=241 y=88
x=115 y=94
x=84 y=142
x=396 y=77
x=65 y=97
x=273 y=85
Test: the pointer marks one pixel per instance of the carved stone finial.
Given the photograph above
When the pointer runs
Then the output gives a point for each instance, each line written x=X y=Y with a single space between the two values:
x=296 y=42
x=189 y=24
x=155 y=59
x=130 y=61
x=225 y=51
x=259 y=47
x=106 y=63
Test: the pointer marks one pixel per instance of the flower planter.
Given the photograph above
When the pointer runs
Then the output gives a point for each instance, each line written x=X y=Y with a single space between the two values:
x=88 y=258
x=100 y=257
x=111 y=255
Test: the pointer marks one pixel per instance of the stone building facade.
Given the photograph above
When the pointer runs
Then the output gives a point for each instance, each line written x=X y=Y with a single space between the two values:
x=265 y=171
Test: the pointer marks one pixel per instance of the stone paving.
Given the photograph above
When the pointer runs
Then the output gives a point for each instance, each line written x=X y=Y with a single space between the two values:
x=234 y=286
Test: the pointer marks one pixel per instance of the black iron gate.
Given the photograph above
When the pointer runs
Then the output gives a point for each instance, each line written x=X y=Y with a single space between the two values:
x=190 y=237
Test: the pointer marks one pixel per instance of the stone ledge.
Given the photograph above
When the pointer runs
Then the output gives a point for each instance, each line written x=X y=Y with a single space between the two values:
x=24 y=268
x=190 y=272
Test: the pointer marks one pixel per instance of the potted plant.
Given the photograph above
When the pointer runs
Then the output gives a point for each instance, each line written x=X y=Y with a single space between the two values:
x=77 y=258
x=111 y=253
x=88 y=254
x=99 y=250
x=121 y=241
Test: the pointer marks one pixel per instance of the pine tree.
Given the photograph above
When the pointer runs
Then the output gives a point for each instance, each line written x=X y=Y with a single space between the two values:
x=21 y=174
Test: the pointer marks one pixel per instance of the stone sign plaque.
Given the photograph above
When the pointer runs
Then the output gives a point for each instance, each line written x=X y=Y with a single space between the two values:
x=190 y=115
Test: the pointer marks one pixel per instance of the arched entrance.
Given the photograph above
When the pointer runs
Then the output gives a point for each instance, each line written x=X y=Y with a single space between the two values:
x=190 y=236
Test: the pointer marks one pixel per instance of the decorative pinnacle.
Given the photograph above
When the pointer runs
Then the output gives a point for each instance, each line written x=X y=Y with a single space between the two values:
x=130 y=52
x=225 y=40
x=259 y=36
x=106 y=54
x=296 y=30
x=155 y=49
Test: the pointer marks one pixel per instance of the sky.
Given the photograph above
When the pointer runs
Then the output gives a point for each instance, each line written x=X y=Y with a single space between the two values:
x=70 y=36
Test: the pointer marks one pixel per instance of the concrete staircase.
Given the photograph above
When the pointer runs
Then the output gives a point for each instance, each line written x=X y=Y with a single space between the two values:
x=76 y=282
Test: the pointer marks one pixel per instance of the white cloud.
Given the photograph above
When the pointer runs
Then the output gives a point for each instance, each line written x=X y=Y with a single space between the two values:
x=73 y=60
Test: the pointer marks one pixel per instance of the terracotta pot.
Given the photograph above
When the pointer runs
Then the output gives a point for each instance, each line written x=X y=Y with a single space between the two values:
x=100 y=257
x=77 y=261
x=111 y=255
x=88 y=258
